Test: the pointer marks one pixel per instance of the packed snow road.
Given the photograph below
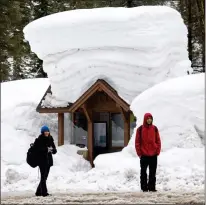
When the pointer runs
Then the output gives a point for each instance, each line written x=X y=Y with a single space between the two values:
x=109 y=198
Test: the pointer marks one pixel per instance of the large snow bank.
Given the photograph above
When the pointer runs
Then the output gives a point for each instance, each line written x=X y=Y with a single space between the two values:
x=131 y=48
x=17 y=93
x=178 y=106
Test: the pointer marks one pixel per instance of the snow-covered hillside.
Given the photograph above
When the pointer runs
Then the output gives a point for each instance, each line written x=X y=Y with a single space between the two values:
x=180 y=168
x=131 y=48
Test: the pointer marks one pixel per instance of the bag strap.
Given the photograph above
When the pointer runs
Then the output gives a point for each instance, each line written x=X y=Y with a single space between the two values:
x=156 y=130
x=34 y=143
x=140 y=134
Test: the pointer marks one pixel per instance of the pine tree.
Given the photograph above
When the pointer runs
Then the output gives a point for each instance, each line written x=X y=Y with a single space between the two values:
x=134 y=3
x=13 y=47
x=5 y=66
x=192 y=12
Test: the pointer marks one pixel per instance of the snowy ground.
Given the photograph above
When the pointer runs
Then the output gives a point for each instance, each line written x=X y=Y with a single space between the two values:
x=110 y=198
x=180 y=169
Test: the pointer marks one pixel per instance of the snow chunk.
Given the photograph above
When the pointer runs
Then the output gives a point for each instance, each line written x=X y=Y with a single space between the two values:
x=130 y=48
x=12 y=176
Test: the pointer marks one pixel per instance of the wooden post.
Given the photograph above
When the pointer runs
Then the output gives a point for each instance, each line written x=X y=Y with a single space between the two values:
x=60 y=129
x=88 y=114
x=126 y=118
x=110 y=130
x=72 y=128
x=90 y=142
x=127 y=129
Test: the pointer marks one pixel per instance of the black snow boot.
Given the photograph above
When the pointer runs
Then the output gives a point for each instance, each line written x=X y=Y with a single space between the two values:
x=152 y=190
x=47 y=195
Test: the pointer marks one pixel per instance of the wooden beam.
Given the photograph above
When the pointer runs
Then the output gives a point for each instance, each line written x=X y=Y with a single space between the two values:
x=90 y=142
x=86 y=112
x=72 y=128
x=127 y=129
x=53 y=110
x=124 y=114
x=60 y=129
x=110 y=131
x=126 y=118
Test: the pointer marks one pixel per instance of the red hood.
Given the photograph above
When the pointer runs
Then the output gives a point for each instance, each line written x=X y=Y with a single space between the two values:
x=146 y=117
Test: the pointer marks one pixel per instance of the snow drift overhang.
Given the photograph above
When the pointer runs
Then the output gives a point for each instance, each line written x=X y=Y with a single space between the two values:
x=99 y=85
x=131 y=48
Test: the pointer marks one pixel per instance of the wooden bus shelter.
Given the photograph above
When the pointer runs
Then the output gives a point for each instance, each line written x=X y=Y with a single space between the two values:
x=100 y=97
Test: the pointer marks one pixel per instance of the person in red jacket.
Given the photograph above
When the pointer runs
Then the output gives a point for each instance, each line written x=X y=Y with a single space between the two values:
x=148 y=146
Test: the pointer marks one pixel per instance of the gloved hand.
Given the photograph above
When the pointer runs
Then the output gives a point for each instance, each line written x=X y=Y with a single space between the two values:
x=50 y=149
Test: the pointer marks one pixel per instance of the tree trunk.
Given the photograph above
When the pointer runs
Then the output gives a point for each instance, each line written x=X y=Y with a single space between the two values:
x=129 y=3
x=201 y=17
x=188 y=3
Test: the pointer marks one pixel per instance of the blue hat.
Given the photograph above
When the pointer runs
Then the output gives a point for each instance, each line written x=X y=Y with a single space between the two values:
x=44 y=129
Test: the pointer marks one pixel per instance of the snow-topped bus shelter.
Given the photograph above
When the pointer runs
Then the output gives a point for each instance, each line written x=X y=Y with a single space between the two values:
x=98 y=104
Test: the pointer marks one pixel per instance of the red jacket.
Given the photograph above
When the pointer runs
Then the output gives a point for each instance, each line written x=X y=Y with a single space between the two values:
x=150 y=143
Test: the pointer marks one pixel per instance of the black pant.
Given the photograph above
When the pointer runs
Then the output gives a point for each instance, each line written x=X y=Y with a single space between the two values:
x=146 y=161
x=42 y=188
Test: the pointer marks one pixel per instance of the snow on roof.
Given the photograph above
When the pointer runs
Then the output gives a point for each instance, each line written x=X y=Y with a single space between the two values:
x=130 y=48
x=49 y=101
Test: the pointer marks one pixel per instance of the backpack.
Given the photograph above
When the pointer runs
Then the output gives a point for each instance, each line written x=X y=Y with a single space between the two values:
x=32 y=158
x=140 y=133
